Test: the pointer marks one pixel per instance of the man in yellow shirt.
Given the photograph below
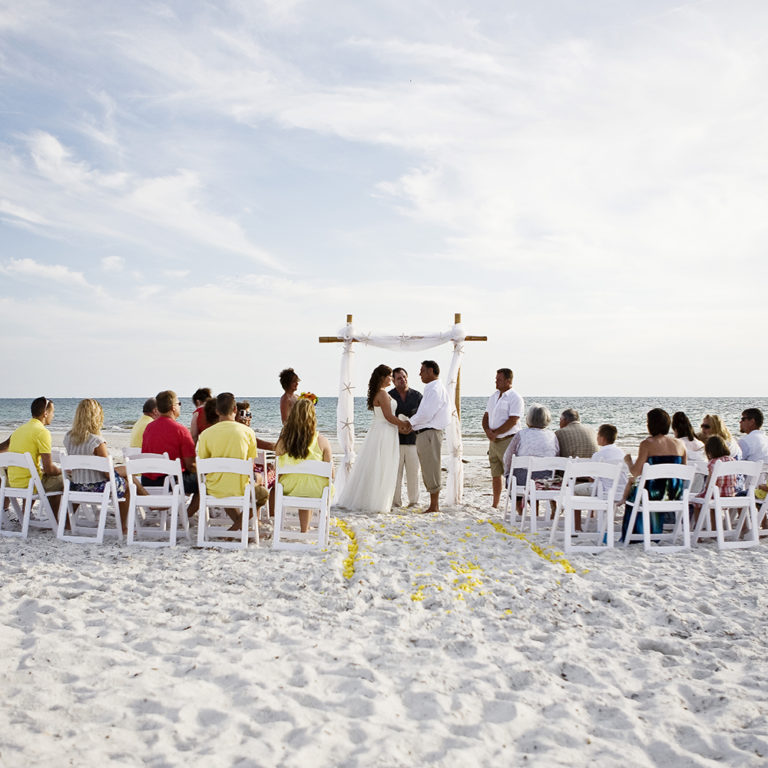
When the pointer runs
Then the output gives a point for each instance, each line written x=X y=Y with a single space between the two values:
x=229 y=439
x=150 y=413
x=35 y=439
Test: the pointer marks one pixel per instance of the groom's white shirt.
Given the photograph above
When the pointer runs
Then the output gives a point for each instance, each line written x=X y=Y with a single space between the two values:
x=433 y=410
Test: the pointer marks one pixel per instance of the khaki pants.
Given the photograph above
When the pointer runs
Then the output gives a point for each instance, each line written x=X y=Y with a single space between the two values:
x=409 y=460
x=496 y=451
x=52 y=483
x=428 y=446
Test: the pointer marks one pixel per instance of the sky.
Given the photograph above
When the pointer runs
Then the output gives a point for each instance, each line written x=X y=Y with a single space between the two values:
x=191 y=193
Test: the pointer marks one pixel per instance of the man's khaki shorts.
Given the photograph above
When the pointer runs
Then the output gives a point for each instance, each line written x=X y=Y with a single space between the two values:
x=53 y=483
x=496 y=451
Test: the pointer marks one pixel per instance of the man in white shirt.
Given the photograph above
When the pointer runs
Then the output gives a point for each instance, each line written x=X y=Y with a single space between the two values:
x=754 y=447
x=500 y=422
x=428 y=423
x=610 y=453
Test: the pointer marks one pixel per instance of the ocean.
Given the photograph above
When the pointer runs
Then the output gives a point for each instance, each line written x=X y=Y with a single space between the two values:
x=626 y=413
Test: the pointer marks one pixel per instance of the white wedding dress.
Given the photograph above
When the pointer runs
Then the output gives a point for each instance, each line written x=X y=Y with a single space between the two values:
x=370 y=486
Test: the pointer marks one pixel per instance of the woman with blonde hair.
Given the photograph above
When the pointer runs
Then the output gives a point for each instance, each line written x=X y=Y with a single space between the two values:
x=300 y=441
x=84 y=439
x=712 y=426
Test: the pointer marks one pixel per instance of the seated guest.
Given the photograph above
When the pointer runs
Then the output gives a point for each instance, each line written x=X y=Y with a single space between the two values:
x=267 y=472
x=534 y=440
x=209 y=409
x=149 y=414
x=33 y=438
x=229 y=439
x=712 y=426
x=659 y=448
x=683 y=430
x=289 y=381
x=717 y=450
x=575 y=439
x=84 y=439
x=610 y=453
x=754 y=447
x=199 y=422
x=244 y=416
x=166 y=435
x=298 y=442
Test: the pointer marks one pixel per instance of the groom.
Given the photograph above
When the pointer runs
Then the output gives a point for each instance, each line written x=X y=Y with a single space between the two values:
x=428 y=423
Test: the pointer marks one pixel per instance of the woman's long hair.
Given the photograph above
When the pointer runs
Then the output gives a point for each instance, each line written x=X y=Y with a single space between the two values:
x=89 y=419
x=299 y=429
x=681 y=426
x=717 y=428
x=380 y=372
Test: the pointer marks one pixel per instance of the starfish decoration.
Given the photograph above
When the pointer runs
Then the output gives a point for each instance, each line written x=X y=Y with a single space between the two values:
x=348 y=387
x=347 y=424
x=364 y=338
x=403 y=339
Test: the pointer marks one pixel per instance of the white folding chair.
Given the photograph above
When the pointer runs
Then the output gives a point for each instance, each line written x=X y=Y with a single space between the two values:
x=601 y=504
x=516 y=490
x=130 y=453
x=292 y=538
x=762 y=505
x=57 y=453
x=84 y=508
x=544 y=487
x=148 y=516
x=35 y=509
x=699 y=483
x=644 y=507
x=214 y=524
x=730 y=512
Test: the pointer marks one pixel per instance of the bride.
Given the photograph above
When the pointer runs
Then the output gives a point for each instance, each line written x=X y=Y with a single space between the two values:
x=370 y=486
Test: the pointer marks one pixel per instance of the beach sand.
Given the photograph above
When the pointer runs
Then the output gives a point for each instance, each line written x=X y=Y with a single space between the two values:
x=453 y=643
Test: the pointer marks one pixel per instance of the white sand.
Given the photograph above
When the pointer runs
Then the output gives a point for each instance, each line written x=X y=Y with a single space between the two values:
x=452 y=644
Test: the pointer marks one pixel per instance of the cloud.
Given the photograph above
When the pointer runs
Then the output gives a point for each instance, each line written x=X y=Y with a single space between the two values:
x=62 y=193
x=56 y=273
x=20 y=214
x=113 y=263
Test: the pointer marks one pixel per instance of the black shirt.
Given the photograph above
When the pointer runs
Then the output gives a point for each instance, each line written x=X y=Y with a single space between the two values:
x=407 y=408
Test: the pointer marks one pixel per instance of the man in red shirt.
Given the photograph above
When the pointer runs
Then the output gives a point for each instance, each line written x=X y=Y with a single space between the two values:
x=166 y=435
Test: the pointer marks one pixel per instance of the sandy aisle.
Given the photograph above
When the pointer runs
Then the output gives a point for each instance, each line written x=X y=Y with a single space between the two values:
x=452 y=644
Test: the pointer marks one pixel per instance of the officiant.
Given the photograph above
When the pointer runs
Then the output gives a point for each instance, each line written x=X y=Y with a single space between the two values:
x=407 y=400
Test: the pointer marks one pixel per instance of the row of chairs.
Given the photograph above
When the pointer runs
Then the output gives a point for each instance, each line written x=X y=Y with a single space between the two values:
x=154 y=520
x=734 y=522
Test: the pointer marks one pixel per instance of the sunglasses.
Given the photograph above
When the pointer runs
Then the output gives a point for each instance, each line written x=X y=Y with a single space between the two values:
x=706 y=426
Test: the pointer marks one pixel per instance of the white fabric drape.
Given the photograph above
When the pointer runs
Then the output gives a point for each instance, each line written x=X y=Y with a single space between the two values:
x=345 y=411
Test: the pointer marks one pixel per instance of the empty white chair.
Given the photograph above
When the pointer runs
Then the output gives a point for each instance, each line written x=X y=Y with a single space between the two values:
x=600 y=504
x=699 y=484
x=130 y=453
x=730 y=512
x=516 y=490
x=544 y=487
x=76 y=505
x=213 y=528
x=644 y=507
x=57 y=453
x=284 y=537
x=35 y=508
x=153 y=520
